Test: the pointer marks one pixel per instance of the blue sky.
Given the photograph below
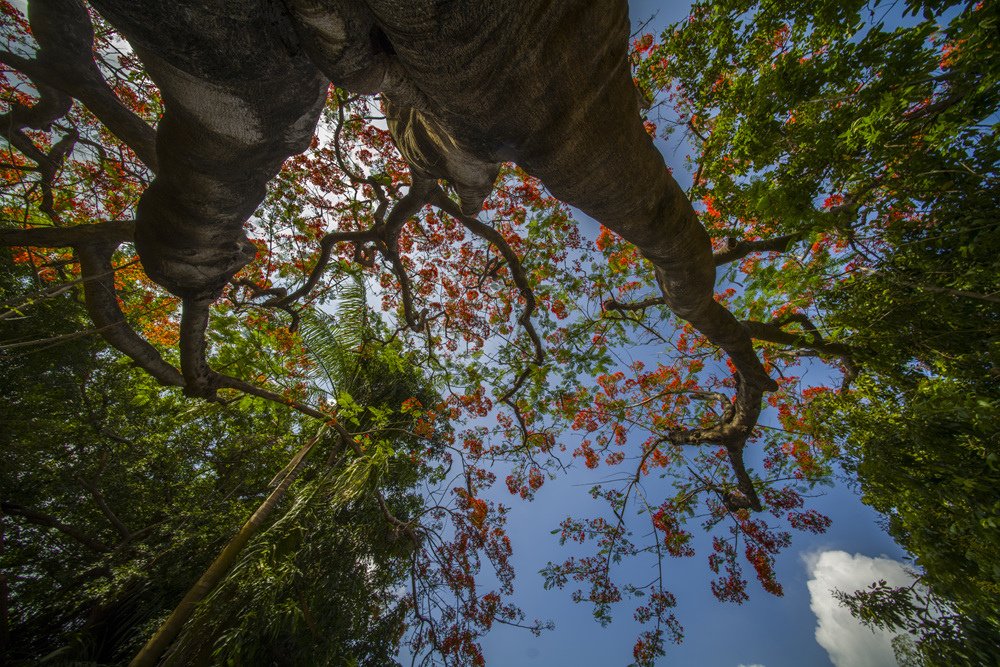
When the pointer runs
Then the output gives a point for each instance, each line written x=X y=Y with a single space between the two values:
x=765 y=631
x=769 y=631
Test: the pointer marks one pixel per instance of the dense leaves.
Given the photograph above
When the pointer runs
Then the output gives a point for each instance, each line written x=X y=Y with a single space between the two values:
x=867 y=135
x=117 y=493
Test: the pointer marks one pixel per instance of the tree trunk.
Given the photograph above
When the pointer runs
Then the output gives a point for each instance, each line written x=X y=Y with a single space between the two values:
x=158 y=644
x=545 y=84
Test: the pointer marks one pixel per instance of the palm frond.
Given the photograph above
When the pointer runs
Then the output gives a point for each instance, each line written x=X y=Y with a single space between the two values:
x=332 y=340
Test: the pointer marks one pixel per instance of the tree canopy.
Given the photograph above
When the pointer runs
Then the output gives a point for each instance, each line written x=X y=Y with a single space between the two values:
x=222 y=266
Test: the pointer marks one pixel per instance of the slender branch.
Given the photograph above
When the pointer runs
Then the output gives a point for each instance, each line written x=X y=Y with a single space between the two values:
x=48 y=521
x=389 y=233
x=15 y=303
x=384 y=235
x=102 y=503
x=989 y=298
x=50 y=341
x=337 y=151
x=811 y=339
x=101 y=300
x=229 y=382
x=739 y=249
x=613 y=304
x=697 y=133
x=326 y=244
x=443 y=202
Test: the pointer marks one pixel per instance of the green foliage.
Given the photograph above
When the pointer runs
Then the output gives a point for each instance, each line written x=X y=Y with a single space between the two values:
x=928 y=459
x=935 y=632
x=318 y=587
x=870 y=134
x=146 y=487
x=155 y=482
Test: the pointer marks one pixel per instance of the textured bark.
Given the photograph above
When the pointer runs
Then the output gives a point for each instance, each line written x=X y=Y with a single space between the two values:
x=240 y=96
x=433 y=153
x=547 y=85
x=469 y=84
x=101 y=300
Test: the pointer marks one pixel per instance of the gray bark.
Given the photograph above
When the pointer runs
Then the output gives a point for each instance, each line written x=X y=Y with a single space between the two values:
x=469 y=84
x=240 y=96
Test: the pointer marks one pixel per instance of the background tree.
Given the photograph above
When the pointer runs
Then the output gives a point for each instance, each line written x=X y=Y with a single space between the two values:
x=869 y=134
x=117 y=493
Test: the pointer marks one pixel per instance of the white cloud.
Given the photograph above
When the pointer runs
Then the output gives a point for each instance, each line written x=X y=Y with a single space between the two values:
x=849 y=643
x=756 y=664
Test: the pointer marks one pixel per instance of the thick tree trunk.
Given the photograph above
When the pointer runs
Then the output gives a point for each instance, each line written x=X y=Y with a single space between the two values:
x=240 y=96
x=545 y=84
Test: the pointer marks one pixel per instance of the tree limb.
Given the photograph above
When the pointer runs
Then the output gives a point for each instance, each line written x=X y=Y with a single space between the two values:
x=101 y=300
x=739 y=249
x=613 y=304
x=65 y=61
x=811 y=339
x=102 y=503
x=51 y=106
x=48 y=521
x=732 y=432
x=484 y=231
x=110 y=232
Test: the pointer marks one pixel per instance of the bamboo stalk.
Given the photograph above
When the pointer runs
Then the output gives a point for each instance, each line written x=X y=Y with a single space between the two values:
x=157 y=645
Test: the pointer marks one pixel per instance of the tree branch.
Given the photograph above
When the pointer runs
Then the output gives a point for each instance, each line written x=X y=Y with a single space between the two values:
x=613 y=304
x=732 y=432
x=101 y=301
x=48 y=521
x=51 y=106
x=94 y=246
x=65 y=61
x=734 y=250
x=443 y=202
x=327 y=244
x=739 y=249
x=102 y=503
x=110 y=232
x=810 y=339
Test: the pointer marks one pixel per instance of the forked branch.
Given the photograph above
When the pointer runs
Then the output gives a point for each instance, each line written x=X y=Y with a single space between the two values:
x=440 y=200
